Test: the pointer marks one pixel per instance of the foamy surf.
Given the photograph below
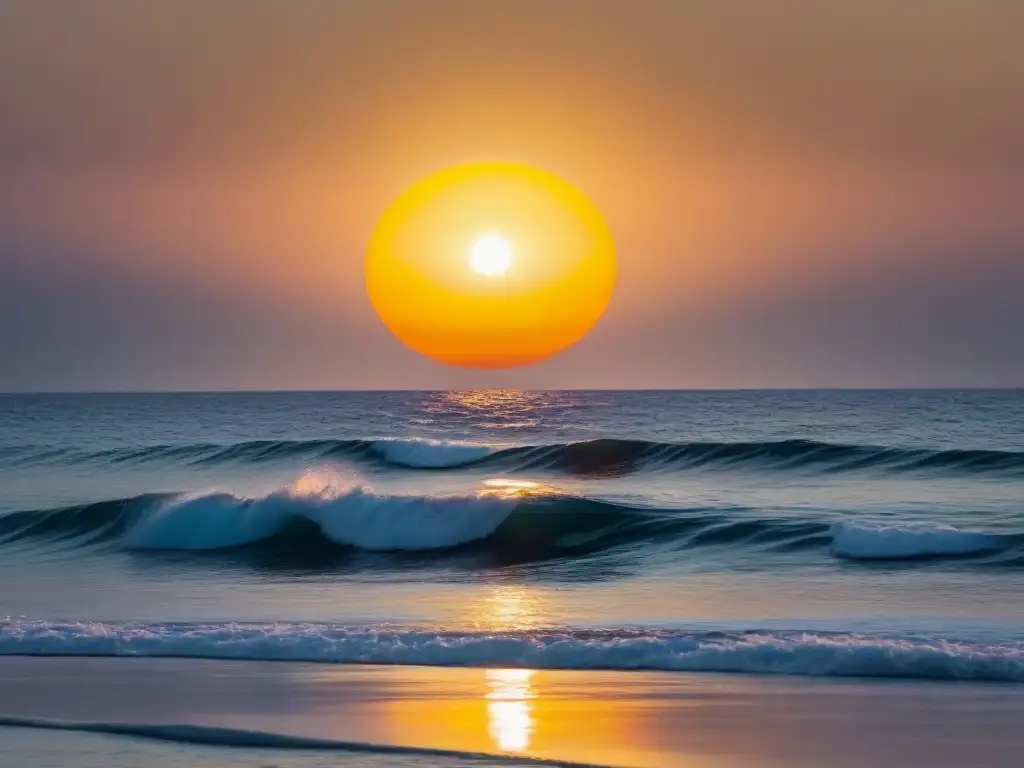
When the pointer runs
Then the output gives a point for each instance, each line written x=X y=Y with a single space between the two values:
x=812 y=653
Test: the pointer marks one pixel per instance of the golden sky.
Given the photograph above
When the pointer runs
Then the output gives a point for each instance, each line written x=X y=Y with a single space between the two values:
x=801 y=193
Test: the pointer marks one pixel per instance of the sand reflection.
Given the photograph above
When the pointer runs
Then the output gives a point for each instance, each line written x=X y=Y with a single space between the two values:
x=510 y=708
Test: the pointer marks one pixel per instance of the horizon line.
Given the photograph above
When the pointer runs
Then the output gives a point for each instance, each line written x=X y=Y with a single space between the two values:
x=26 y=392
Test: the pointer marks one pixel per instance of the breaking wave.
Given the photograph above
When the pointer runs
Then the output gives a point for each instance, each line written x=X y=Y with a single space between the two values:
x=519 y=522
x=314 y=515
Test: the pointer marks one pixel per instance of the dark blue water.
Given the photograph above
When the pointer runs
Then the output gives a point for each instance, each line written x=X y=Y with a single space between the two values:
x=877 y=533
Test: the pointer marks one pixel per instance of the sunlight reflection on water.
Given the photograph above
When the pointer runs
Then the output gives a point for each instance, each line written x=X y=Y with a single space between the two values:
x=498 y=408
x=511 y=607
x=510 y=708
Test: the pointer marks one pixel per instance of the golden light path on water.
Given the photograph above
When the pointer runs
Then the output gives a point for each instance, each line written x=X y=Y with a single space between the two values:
x=513 y=711
x=510 y=708
x=509 y=697
x=507 y=608
x=498 y=409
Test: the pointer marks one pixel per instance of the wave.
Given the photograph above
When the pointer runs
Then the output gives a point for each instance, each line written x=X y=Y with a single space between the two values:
x=880 y=541
x=206 y=735
x=429 y=454
x=588 y=457
x=314 y=507
x=320 y=516
x=814 y=653
x=320 y=511
x=622 y=456
x=356 y=517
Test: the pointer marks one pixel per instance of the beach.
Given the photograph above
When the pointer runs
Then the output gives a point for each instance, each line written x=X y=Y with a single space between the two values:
x=653 y=720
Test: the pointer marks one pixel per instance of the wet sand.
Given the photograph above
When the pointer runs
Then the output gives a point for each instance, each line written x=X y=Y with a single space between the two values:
x=607 y=718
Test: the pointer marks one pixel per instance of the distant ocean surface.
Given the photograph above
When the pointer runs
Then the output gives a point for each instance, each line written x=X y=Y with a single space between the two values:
x=806 y=533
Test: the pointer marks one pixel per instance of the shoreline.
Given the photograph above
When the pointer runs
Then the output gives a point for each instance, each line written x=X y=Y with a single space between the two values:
x=650 y=719
x=210 y=736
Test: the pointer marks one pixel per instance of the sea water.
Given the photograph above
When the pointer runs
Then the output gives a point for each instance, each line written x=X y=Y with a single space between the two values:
x=827 y=533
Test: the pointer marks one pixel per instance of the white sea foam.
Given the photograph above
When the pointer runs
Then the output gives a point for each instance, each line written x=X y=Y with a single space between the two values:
x=346 y=514
x=773 y=652
x=430 y=454
x=880 y=541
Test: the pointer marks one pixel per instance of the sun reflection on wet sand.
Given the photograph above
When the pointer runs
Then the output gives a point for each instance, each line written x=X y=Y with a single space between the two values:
x=510 y=708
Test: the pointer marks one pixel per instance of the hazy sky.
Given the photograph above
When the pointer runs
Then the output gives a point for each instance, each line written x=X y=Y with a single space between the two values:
x=802 y=193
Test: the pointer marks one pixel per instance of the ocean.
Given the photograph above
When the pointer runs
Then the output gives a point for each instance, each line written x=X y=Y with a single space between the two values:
x=813 y=534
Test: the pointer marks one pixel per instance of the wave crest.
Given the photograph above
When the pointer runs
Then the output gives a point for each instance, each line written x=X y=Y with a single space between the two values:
x=429 y=454
x=352 y=516
x=317 y=520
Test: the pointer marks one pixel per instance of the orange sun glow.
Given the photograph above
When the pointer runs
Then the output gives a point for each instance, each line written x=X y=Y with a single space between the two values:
x=490 y=265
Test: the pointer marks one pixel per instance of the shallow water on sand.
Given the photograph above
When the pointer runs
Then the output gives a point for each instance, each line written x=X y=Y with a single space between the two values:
x=652 y=719
x=26 y=747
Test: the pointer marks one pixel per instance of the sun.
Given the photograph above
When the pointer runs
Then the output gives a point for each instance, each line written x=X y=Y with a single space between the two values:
x=490 y=265
x=491 y=255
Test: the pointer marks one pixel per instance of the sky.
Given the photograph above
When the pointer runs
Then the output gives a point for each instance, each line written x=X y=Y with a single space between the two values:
x=802 y=194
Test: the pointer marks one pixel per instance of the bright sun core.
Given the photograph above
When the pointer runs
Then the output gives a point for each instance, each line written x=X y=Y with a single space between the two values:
x=491 y=255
